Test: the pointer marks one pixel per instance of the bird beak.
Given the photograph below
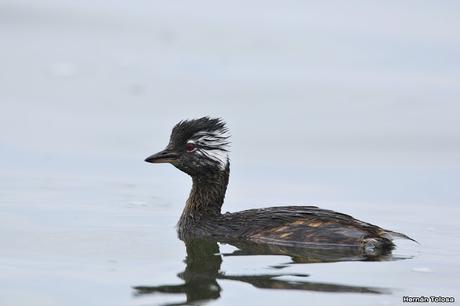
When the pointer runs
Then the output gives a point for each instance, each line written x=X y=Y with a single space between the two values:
x=165 y=156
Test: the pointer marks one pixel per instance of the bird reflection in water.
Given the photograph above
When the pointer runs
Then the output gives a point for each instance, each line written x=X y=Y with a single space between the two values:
x=204 y=260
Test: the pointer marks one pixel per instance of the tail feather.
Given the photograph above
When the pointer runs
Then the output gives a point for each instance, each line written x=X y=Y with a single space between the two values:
x=396 y=235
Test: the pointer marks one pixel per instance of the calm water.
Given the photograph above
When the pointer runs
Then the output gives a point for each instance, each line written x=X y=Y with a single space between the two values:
x=352 y=107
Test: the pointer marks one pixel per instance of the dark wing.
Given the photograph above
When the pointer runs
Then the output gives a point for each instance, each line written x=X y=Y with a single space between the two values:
x=306 y=225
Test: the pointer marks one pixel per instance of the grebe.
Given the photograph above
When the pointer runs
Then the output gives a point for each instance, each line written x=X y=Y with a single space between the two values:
x=200 y=148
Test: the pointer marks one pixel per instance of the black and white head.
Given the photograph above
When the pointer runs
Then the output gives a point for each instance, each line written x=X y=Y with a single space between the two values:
x=198 y=147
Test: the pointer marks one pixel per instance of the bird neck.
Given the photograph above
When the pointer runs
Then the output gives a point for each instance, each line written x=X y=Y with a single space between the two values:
x=206 y=197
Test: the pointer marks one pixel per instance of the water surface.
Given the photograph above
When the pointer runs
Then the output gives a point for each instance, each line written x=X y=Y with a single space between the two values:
x=351 y=107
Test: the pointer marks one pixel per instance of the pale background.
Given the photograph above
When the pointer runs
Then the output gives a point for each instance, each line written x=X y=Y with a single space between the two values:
x=351 y=106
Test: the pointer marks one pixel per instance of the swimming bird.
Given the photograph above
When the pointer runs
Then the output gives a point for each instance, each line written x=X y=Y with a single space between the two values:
x=200 y=148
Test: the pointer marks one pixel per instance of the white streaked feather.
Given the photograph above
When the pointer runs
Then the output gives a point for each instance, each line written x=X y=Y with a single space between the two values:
x=214 y=145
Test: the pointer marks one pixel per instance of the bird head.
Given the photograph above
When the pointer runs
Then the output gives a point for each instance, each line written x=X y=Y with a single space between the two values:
x=198 y=147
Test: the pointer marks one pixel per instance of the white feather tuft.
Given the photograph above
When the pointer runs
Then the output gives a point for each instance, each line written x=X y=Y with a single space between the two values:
x=214 y=145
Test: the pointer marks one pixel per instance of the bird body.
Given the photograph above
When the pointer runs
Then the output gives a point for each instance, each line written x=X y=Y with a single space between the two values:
x=200 y=148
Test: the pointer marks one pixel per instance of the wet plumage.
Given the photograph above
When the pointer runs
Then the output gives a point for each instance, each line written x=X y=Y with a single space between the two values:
x=200 y=148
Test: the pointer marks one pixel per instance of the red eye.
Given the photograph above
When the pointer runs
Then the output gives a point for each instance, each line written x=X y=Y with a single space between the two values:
x=190 y=147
